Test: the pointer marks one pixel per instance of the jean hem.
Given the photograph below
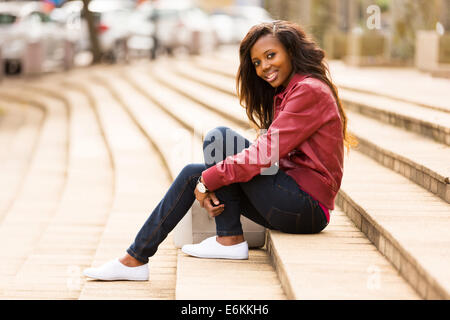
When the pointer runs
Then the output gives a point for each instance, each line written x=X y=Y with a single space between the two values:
x=229 y=233
x=136 y=256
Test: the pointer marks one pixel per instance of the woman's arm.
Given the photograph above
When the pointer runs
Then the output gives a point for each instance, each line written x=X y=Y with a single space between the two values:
x=306 y=109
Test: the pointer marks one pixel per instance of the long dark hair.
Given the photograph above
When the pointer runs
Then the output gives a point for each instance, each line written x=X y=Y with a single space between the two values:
x=256 y=95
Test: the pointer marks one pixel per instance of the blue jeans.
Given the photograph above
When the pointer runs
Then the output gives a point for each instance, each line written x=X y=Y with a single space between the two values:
x=274 y=201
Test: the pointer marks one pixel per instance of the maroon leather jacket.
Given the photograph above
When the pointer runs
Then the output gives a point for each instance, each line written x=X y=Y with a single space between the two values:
x=305 y=137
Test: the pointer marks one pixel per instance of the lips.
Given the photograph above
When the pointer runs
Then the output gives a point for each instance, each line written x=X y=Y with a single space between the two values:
x=271 y=76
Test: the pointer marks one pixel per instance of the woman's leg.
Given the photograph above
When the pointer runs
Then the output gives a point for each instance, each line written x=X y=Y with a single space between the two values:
x=170 y=210
x=218 y=144
x=274 y=201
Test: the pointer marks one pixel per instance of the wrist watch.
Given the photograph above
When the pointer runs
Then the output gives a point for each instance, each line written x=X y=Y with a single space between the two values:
x=201 y=187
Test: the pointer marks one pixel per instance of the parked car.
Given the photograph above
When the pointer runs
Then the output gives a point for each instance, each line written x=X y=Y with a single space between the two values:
x=141 y=31
x=26 y=22
x=111 y=19
x=232 y=23
x=180 y=25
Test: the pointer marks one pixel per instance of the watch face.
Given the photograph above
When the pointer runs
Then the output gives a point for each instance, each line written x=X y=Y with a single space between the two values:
x=201 y=187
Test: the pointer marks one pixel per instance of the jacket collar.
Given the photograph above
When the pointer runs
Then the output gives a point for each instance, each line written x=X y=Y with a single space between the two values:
x=298 y=77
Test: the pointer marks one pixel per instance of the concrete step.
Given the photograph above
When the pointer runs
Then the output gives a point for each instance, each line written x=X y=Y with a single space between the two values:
x=41 y=192
x=382 y=142
x=12 y=118
x=408 y=85
x=18 y=137
x=433 y=124
x=161 y=125
x=228 y=109
x=66 y=247
x=340 y=263
x=339 y=276
x=139 y=179
x=422 y=161
x=406 y=223
x=401 y=207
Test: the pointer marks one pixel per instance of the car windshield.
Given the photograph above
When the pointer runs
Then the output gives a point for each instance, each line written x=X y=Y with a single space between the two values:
x=6 y=18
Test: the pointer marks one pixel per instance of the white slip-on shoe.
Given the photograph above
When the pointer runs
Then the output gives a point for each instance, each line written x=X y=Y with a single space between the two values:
x=115 y=270
x=210 y=248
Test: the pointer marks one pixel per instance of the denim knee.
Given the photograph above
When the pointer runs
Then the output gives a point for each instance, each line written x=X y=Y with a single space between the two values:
x=214 y=134
x=191 y=170
x=214 y=145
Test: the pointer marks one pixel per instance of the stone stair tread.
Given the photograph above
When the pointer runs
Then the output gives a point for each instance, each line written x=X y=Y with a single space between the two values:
x=308 y=265
x=165 y=131
x=189 y=68
x=419 y=225
x=407 y=84
x=432 y=155
x=44 y=182
x=18 y=138
x=210 y=279
x=198 y=116
x=12 y=118
x=203 y=94
x=77 y=238
x=411 y=111
x=137 y=173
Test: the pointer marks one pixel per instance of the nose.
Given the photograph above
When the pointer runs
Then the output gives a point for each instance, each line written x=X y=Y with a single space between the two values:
x=265 y=65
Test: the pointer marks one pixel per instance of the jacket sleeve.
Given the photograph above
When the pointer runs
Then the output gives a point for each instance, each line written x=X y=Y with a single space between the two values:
x=300 y=118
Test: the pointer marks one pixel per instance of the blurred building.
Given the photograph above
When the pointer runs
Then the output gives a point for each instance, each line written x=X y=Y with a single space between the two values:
x=375 y=32
x=210 y=5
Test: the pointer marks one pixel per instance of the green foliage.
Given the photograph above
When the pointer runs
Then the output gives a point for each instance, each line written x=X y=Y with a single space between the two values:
x=323 y=18
x=383 y=4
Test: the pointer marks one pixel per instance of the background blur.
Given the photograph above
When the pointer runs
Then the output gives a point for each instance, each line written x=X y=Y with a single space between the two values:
x=38 y=36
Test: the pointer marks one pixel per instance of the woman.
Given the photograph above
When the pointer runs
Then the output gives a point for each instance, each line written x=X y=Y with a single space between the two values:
x=284 y=85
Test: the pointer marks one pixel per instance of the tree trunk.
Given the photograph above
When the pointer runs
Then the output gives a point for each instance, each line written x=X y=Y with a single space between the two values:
x=93 y=36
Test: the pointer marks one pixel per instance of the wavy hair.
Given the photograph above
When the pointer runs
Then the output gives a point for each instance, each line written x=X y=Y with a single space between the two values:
x=256 y=95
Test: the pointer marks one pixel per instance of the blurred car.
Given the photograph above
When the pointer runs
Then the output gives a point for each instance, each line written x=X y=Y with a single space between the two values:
x=223 y=25
x=180 y=25
x=141 y=31
x=232 y=23
x=111 y=19
x=24 y=22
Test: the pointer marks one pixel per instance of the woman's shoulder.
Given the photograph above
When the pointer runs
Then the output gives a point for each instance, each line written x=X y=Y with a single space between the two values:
x=308 y=84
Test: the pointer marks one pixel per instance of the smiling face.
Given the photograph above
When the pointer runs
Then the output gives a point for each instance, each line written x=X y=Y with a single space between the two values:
x=271 y=61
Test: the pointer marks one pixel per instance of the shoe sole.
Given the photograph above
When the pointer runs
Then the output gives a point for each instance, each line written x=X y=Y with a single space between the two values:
x=114 y=278
x=214 y=256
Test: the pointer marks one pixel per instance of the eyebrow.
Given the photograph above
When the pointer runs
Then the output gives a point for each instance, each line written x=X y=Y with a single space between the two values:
x=263 y=53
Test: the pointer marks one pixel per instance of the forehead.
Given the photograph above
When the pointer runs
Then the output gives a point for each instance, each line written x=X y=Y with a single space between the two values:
x=264 y=43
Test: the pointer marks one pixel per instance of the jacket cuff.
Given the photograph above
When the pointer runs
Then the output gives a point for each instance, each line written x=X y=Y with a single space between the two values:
x=211 y=178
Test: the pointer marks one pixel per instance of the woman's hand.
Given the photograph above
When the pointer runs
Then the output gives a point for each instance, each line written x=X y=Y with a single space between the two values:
x=211 y=204
x=207 y=200
x=200 y=196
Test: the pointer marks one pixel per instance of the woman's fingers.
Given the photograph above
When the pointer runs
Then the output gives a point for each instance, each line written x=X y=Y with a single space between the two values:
x=213 y=197
x=212 y=210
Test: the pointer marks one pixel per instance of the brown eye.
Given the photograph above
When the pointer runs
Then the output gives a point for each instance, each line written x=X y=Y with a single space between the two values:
x=256 y=63
x=270 y=55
